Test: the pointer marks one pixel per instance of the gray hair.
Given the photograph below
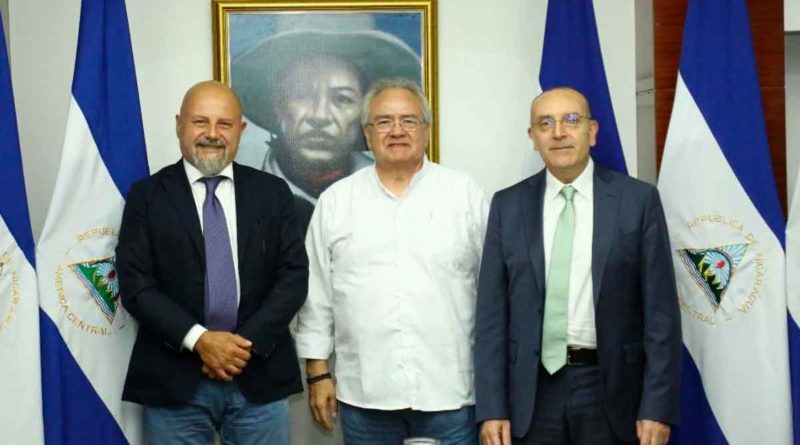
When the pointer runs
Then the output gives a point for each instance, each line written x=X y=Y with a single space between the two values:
x=396 y=83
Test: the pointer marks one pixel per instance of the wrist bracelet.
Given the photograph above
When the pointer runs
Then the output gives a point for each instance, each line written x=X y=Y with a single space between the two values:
x=318 y=378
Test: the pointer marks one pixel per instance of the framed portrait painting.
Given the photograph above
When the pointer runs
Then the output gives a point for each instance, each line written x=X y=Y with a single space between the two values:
x=301 y=69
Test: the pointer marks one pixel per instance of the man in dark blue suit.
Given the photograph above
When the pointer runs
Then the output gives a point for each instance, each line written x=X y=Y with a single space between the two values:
x=212 y=265
x=578 y=329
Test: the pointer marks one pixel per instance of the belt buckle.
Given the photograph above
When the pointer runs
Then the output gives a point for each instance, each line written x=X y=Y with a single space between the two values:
x=569 y=357
x=574 y=361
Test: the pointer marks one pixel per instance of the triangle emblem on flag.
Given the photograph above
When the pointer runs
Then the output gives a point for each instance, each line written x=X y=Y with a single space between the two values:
x=100 y=279
x=712 y=268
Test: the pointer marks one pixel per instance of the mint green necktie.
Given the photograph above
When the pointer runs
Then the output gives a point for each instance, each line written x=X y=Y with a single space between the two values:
x=554 y=329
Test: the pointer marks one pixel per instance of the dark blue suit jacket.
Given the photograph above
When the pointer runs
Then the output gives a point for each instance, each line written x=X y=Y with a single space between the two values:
x=161 y=265
x=636 y=306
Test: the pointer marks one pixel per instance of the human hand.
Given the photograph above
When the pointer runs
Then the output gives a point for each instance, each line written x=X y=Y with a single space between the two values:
x=224 y=354
x=496 y=432
x=208 y=372
x=321 y=394
x=322 y=402
x=651 y=432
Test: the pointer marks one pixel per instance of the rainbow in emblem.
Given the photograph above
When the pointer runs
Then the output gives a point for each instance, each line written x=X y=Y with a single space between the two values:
x=712 y=268
x=100 y=279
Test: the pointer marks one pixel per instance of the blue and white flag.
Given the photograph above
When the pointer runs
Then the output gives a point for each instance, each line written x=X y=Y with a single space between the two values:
x=793 y=300
x=571 y=57
x=86 y=335
x=726 y=230
x=20 y=388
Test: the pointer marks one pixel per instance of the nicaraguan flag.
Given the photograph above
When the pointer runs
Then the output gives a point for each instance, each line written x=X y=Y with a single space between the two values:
x=793 y=301
x=86 y=335
x=726 y=230
x=571 y=57
x=20 y=388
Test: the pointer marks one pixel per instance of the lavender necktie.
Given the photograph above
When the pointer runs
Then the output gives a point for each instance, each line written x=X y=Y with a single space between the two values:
x=220 y=290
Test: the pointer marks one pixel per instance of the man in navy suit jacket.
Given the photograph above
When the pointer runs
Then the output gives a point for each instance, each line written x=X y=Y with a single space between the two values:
x=617 y=378
x=193 y=376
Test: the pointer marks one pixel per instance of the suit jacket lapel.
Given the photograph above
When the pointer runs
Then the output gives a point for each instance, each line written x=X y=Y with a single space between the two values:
x=606 y=206
x=532 y=207
x=245 y=208
x=177 y=186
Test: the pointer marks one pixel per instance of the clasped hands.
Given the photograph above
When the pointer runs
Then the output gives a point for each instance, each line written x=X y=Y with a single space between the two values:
x=224 y=354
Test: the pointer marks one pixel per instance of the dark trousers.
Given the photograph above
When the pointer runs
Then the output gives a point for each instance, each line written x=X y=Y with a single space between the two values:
x=569 y=410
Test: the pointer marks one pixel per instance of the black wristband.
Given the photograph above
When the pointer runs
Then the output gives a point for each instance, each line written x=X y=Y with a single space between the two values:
x=318 y=378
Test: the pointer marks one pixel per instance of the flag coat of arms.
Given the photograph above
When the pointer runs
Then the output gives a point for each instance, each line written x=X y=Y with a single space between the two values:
x=726 y=231
x=86 y=335
x=20 y=390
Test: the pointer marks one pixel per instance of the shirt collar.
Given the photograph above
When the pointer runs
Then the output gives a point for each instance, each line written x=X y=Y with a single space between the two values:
x=583 y=184
x=194 y=175
x=414 y=180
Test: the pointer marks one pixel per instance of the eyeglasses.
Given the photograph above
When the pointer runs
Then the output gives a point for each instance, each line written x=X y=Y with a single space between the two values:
x=569 y=120
x=385 y=124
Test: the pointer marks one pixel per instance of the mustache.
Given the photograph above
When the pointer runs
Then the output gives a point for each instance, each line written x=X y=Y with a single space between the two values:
x=316 y=134
x=211 y=143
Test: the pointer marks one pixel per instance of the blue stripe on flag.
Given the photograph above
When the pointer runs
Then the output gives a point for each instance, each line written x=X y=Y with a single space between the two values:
x=13 y=200
x=697 y=419
x=73 y=411
x=104 y=86
x=794 y=365
x=719 y=69
x=571 y=57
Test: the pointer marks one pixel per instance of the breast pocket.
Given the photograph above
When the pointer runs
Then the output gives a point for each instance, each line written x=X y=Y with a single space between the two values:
x=447 y=241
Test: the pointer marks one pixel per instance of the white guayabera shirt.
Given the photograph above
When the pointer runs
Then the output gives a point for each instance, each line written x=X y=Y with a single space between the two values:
x=392 y=288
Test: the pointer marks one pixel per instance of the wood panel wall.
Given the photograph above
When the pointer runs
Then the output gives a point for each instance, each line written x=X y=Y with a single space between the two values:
x=766 y=24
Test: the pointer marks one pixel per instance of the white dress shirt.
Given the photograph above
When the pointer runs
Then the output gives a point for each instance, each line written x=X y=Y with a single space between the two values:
x=226 y=195
x=580 y=309
x=397 y=279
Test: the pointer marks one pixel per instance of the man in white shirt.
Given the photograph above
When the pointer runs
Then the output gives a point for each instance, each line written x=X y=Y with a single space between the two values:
x=394 y=252
x=577 y=337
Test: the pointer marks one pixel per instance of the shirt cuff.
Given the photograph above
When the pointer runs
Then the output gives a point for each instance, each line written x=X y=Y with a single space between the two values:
x=313 y=346
x=192 y=336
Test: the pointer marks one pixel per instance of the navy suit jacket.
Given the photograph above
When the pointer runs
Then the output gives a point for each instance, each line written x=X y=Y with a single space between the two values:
x=161 y=265
x=635 y=300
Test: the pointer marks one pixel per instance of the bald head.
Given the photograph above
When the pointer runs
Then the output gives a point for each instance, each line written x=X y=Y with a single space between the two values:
x=210 y=87
x=209 y=126
x=563 y=131
x=567 y=93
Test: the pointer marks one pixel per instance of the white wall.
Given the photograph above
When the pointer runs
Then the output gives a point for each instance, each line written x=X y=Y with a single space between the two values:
x=488 y=72
x=792 y=70
x=791 y=15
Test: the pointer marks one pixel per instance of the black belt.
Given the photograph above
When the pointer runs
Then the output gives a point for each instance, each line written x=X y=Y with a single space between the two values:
x=581 y=356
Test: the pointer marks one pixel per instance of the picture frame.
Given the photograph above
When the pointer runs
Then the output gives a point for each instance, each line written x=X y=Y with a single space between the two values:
x=287 y=59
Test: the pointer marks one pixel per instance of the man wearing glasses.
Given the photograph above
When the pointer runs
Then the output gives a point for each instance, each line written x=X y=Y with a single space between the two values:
x=394 y=254
x=577 y=337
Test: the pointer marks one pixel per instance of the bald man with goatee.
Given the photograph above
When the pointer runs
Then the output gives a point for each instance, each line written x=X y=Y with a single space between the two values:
x=212 y=265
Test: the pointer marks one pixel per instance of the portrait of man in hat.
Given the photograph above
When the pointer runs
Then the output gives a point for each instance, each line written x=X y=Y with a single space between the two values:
x=303 y=85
